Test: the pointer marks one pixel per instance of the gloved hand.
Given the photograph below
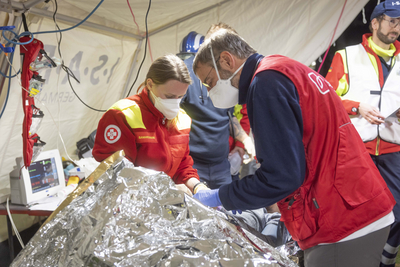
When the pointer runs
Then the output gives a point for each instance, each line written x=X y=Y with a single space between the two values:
x=249 y=146
x=184 y=188
x=199 y=187
x=209 y=197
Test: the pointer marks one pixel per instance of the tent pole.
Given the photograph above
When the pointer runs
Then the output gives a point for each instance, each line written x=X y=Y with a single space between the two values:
x=187 y=17
x=31 y=3
x=68 y=19
x=19 y=6
x=127 y=84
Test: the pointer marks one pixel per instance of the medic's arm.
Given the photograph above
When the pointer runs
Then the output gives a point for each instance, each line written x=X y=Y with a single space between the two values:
x=185 y=170
x=278 y=134
x=338 y=77
x=114 y=134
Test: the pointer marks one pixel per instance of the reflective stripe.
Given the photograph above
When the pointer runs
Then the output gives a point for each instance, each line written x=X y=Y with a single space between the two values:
x=237 y=112
x=374 y=63
x=343 y=86
x=132 y=113
x=183 y=120
x=392 y=250
x=388 y=261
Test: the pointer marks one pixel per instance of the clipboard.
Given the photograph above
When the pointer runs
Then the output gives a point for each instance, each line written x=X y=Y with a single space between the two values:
x=392 y=118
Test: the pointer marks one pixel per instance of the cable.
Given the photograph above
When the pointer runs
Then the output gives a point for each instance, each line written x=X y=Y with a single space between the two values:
x=333 y=36
x=138 y=31
x=17 y=37
x=63 y=30
x=13 y=225
x=134 y=19
x=65 y=68
x=9 y=83
x=151 y=54
x=9 y=77
x=145 y=50
x=99 y=110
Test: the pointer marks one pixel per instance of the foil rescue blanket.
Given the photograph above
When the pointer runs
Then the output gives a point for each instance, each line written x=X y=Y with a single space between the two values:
x=131 y=216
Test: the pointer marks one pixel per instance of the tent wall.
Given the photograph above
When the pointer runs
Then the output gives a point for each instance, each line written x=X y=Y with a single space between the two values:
x=99 y=62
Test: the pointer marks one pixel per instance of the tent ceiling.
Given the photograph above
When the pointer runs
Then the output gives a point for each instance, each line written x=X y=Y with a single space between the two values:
x=116 y=15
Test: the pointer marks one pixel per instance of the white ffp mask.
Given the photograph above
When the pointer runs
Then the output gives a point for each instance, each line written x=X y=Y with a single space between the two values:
x=168 y=107
x=224 y=94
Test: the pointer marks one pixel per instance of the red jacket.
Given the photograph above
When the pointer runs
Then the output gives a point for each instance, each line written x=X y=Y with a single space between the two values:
x=342 y=190
x=134 y=125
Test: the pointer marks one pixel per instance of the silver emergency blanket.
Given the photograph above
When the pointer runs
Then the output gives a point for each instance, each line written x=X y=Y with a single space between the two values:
x=132 y=216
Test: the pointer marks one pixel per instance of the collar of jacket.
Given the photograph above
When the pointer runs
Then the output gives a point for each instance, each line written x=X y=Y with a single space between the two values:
x=365 y=43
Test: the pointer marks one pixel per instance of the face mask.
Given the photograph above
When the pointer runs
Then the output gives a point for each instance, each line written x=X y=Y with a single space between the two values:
x=224 y=94
x=168 y=107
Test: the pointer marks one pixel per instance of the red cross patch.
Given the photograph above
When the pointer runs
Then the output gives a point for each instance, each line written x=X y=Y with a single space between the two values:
x=112 y=134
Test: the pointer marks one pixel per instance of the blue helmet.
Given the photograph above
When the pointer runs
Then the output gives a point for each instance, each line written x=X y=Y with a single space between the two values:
x=191 y=42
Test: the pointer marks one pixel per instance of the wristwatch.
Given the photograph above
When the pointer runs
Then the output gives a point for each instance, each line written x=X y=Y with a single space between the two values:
x=354 y=109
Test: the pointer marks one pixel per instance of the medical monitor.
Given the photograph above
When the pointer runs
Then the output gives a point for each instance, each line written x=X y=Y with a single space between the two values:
x=43 y=178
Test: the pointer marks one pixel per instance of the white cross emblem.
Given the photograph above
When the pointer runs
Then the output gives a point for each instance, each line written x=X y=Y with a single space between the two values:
x=112 y=134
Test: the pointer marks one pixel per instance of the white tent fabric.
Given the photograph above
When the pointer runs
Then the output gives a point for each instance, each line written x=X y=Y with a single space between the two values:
x=300 y=29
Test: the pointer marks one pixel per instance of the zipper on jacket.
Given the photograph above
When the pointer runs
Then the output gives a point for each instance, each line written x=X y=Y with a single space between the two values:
x=291 y=203
x=315 y=203
x=168 y=148
x=292 y=200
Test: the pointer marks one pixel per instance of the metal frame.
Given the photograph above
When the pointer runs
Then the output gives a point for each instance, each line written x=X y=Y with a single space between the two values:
x=19 y=6
x=68 y=19
x=133 y=65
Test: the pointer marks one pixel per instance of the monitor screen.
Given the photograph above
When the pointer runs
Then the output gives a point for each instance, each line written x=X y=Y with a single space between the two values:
x=43 y=174
x=43 y=178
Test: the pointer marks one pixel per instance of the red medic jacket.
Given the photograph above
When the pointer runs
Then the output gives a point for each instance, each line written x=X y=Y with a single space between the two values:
x=136 y=126
x=343 y=190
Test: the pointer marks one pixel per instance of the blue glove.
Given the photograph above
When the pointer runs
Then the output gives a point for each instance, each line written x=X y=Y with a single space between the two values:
x=220 y=208
x=238 y=211
x=209 y=197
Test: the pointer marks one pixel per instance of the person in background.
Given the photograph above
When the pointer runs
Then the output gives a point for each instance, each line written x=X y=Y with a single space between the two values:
x=150 y=127
x=372 y=94
x=209 y=135
x=331 y=196
x=240 y=128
